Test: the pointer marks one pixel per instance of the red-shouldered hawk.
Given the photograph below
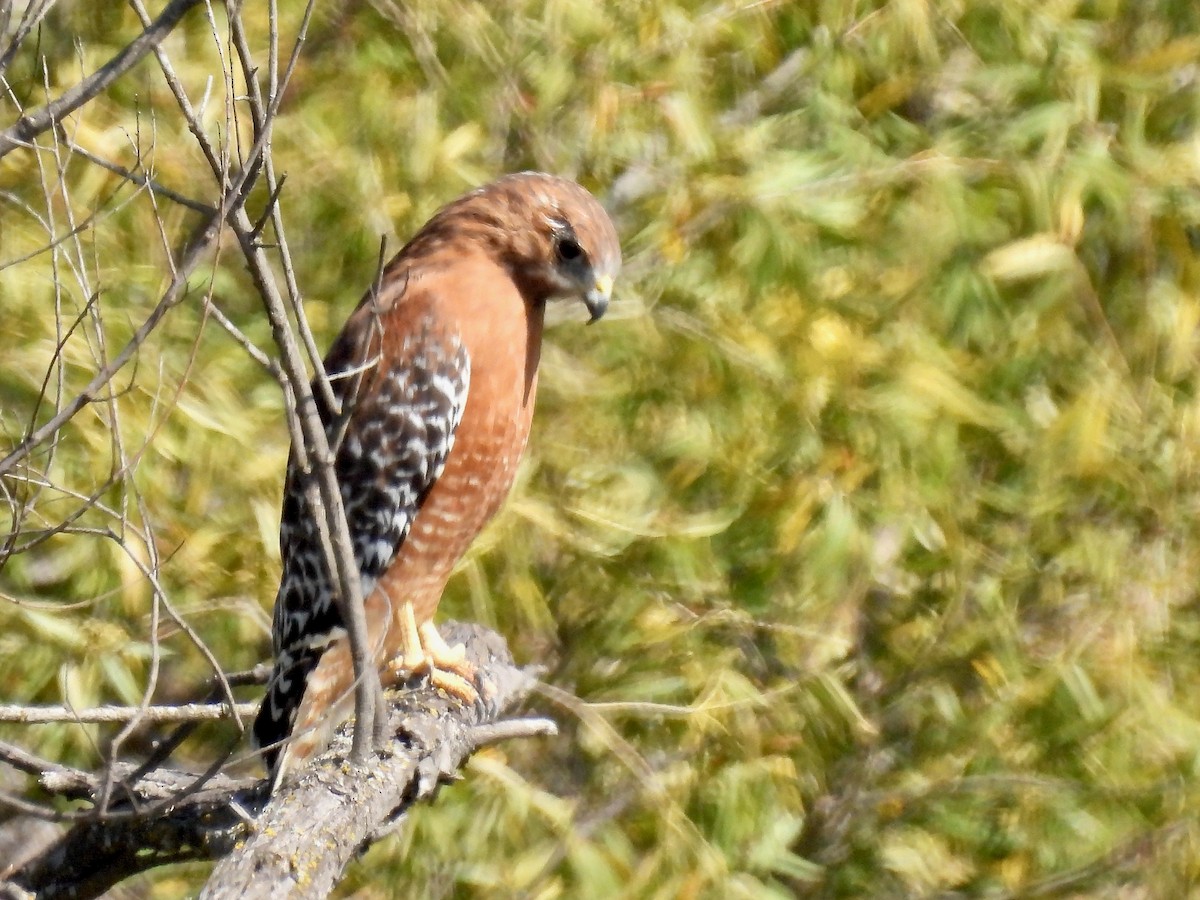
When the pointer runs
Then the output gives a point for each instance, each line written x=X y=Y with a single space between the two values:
x=436 y=374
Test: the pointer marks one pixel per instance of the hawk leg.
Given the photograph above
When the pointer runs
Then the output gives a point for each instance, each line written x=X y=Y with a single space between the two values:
x=423 y=649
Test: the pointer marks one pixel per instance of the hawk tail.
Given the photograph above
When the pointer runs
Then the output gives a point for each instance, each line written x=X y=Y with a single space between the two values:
x=277 y=714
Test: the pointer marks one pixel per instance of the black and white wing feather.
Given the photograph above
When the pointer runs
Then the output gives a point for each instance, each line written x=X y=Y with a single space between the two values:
x=401 y=404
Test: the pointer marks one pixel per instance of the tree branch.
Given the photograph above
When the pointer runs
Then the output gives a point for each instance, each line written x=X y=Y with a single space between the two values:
x=141 y=179
x=202 y=238
x=33 y=124
x=297 y=842
x=187 y=712
x=30 y=17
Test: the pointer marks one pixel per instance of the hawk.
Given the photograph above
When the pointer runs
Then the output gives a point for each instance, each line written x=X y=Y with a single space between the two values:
x=435 y=373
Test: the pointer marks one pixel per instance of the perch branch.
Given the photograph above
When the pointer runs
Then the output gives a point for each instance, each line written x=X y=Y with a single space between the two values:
x=346 y=808
x=297 y=842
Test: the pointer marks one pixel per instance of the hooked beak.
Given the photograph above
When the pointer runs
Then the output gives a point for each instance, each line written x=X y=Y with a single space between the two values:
x=596 y=299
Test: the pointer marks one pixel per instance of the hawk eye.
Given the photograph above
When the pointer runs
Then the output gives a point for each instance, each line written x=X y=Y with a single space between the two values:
x=569 y=250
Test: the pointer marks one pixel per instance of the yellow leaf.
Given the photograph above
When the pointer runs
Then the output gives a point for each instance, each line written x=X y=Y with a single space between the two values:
x=1033 y=257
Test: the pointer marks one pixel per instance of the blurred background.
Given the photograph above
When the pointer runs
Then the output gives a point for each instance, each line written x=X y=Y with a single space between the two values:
x=859 y=541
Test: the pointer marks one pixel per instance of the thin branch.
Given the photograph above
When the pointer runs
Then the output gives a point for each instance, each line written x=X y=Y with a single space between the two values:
x=334 y=531
x=32 y=124
x=188 y=712
x=494 y=733
x=202 y=239
x=33 y=14
x=260 y=674
x=52 y=246
x=309 y=440
x=255 y=352
x=24 y=761
x=274 y=185
x=138 y=178
x=29 y=808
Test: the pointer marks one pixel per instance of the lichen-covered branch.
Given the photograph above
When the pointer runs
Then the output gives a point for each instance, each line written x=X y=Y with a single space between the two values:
x=298 y=842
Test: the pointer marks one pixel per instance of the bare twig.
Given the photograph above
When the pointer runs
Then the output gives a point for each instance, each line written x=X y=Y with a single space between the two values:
x=188 y=712
x=310 y=443
x=494 y=733
x=33 y=13
x=24 y=761
x=262 y=124
x=253 y=350
x=32 y=124
x=197 y=248
x=138 y=178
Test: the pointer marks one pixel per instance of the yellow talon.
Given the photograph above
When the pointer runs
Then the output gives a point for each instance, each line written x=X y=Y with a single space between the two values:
x=423 y=649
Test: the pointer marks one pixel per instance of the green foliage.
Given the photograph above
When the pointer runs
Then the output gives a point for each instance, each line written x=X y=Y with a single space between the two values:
x=865 y=526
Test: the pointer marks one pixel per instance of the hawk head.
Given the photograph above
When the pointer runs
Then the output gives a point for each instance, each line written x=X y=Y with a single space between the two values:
x=550 y=233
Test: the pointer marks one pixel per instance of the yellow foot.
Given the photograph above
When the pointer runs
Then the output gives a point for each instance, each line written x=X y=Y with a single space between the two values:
x=422 y=649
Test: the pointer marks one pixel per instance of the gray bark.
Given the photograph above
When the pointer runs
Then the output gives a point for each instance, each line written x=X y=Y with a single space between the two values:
x=298 y=842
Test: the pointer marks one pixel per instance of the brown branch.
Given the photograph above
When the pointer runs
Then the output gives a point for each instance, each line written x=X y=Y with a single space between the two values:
x=314 y=444
x=262 y=124
x=297 y=843
x=31 y=125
